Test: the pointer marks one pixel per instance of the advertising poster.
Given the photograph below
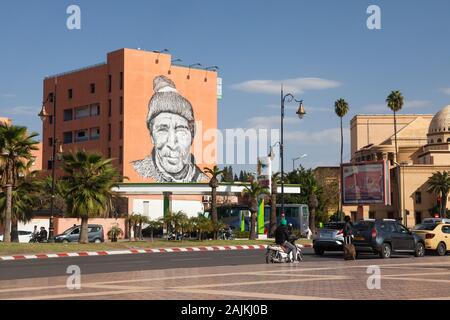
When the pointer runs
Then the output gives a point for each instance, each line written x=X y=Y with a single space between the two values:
x=365 y=183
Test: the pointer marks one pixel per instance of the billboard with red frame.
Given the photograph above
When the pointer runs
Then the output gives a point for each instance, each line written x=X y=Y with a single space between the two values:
x=365 y=183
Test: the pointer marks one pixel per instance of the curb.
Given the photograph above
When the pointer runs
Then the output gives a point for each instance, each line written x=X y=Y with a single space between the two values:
x=134 y=251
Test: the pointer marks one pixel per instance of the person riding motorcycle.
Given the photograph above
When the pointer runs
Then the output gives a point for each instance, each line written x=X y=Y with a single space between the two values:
x=282 y=237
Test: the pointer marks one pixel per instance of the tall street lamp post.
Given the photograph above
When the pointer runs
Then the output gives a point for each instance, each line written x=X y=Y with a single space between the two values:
x=295 y=159
x=301 y=113
x=44 y=115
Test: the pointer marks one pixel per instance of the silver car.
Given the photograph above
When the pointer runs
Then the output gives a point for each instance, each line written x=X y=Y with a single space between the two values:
x=329 y=238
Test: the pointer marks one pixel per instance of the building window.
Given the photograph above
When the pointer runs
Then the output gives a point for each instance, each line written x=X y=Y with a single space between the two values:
x=68 y=115
x=95 y=133
x=354 y=215
x=121 y=130
x=82 y=112
x=70 y=93
x=120 y=154
x=431 y=141
x=50 y=142
x=371 y=214
x=50 y=119
x=67 y=137
x=49 y=165
x=448 y=139
x=109 y=83
x=390 y=215
x=418 y=197
x=95 y=109
x=121 y=105
x=109 y=152
x=109 y=131
x=109 y=108
x=92 y=87
x=418 y=216
x=81 y=135
x=121 y=81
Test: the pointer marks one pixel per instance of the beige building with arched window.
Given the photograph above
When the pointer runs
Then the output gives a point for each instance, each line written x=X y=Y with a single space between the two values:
x=423 y=148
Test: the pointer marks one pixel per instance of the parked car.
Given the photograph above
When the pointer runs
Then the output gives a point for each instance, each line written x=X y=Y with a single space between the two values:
x=24 y=236
x=436 y=236
x=95 y=234
x=385 y=237
x=329 y=238
x=435 y=220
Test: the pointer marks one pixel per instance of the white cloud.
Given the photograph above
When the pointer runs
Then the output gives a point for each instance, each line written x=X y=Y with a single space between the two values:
x=294 y=86
x=22 y=110
x=269 y=122
x=324 y=137
x=445 y=91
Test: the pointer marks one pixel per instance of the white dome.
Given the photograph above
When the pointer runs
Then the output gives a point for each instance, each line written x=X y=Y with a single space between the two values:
x=440 y=121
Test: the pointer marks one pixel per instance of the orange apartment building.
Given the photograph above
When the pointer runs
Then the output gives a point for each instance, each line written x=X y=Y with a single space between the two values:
x=104 y=108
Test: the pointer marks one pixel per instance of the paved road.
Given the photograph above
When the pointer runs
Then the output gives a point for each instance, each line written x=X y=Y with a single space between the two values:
x=314 y=279
x=26 y=269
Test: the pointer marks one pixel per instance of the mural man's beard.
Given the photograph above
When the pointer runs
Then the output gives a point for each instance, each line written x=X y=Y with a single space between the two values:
x=171 y=161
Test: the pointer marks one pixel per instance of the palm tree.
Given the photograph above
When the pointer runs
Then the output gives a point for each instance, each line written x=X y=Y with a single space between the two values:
x=154 y=225
x=215 y=173
x=439 y=183
x=25 y=195
x=341 y=109
x=141 y=219
x=89 y=179
x=201 y=224
x=16 y=146
x=395 y=103
x=273 y=209
x=253 y=192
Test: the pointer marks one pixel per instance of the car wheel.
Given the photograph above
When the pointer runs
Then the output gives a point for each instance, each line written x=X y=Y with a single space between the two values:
x=441 y=249
x=386 y=251
x=65 y=241
x=319 y=252
x=420 y=250
x=98 y=240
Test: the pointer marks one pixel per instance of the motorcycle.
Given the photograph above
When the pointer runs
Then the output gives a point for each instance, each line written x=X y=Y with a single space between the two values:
x=277 y=254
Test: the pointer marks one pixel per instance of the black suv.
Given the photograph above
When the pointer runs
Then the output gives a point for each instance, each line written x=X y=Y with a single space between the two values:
x=385 y=237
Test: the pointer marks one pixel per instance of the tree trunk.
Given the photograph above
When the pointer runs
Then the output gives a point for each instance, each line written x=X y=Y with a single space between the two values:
x=253 y=226
x=7 y=233
x=214 y=217
x=140 y=231
x=398 y=172
x=14 y=230
x=151 y=233
x=312 y=220
x=135 y=231
x=444 y=206
x=340 y=177
x=273 y=215
x=84 y=231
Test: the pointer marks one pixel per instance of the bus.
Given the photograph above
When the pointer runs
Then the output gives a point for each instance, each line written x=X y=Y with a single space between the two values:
x=297 y=214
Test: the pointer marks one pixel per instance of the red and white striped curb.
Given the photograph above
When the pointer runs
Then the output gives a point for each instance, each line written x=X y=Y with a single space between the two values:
x=134 y=251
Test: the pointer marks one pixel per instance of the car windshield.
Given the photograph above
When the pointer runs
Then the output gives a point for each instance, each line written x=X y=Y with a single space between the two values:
x=68 y=231
x=427 y=226
x=334 y=226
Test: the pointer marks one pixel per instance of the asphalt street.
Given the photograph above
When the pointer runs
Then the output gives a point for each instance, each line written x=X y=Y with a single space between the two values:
x=53 y=267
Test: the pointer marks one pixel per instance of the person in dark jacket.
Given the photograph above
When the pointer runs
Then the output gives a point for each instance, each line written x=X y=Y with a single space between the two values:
x=43 y=235
x=282 y=238
x=348 y=229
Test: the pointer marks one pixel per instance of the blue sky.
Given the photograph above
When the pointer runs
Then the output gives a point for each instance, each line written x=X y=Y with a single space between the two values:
x=325 y=44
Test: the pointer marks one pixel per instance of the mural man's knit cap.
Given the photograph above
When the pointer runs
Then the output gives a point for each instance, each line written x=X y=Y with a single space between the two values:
x=167 y=99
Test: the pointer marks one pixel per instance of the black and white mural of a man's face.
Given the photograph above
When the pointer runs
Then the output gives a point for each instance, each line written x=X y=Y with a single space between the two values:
x=171 y=125
x=172 y=140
